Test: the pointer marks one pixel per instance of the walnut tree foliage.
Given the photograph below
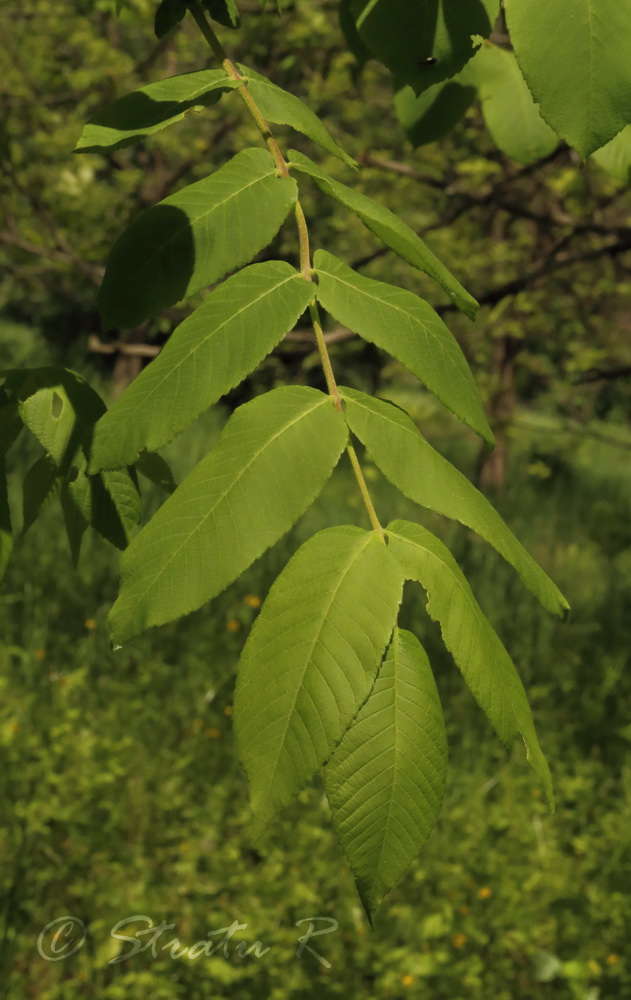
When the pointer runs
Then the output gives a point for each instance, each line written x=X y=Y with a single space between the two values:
x=328 y=681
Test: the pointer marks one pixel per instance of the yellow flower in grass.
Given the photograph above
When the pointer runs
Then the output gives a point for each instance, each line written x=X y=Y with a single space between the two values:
x=459 y=940
x=233 y=625
x=227 y=710
x=407 y=980
x=612 y=959
x=90 y=623
x=40 y=654
x=213 y=734
x=484 y=892
x=252 y=601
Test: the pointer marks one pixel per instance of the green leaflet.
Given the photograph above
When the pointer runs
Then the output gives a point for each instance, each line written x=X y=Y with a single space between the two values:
x=74 y=522
x=349 y=29
x=271 y=461
x=282 y=108
x=386 y=779
x=59 y=408
x=206 y=356
x=470 y=638
x=423 y=41
x=401 y=323
x=511 y=115
x=152 y=108
x=154 y=468
x=10 y=420
x=311 y=659
x=574 y=55
x=433 y=114
x=224 y=12
x=615 y=157
x=408 y=461
x=41 y=484
x=168 y=14
x=110 y=502
x=195 y=237
x=6 y=534
x=390 y=230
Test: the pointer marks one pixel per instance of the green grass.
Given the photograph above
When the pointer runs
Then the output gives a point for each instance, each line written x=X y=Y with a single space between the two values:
x=122 y=794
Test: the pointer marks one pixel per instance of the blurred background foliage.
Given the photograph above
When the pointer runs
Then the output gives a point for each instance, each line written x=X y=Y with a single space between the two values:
x=120 y=789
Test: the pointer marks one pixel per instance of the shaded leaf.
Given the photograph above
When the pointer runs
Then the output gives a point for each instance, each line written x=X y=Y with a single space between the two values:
x=349 y=29
x=6 y=533
x=433 y=114
x=239 y=323
x=168 y=14
x=468 y=635
x=74 y=522
x=271 y=461
x=511 y=115
x=10 y=421
x=282 y=108
x=311 y=659
x=224 y=12
x=59 y=408
x=155 y=468
x=41 y=484
x=401 y=323
x=390 y=230
x=152 y=108
x=424 y=41
x=109 y=502
x=574 y=55
x=408 y=461
x=195 y=237
x=386 y=779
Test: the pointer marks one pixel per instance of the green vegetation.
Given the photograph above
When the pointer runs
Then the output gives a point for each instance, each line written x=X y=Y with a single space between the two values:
x=124 y=791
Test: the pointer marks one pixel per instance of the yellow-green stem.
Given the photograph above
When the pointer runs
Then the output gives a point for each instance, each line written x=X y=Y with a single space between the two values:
x=359 y=476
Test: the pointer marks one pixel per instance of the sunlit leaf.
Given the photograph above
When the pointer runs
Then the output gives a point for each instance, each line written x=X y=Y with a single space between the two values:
x=271 y=461
x=311 y=659
x=386 y=779
x=470 y=638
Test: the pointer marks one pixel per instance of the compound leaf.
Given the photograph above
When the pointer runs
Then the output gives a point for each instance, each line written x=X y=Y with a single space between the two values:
x=272 y=459
x=423 y=41
x=311 y=659
x=408 y=461
x=282 y=108
x=401 y=323
x=390 y=229
x=574 y=55
x=195 y=237
x=468 y=635
x=386 y=779
x=152 y=108
x=206 y=356
x=511 y=115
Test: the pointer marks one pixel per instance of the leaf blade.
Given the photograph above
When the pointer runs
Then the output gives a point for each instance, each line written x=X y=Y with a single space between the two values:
x=195 y=237
x=408 y=461
x=272 y=459
x=475 y=646
x=150 y=109
x=386 y=778
x=317 y=643
x=390 y=230
x=282 y=108
x=208 y=354
x=401 y=323
x=575 y=58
